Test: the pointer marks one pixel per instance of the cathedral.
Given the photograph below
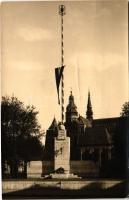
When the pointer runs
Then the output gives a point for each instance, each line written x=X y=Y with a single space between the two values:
x=97 y=146
x=92 y=141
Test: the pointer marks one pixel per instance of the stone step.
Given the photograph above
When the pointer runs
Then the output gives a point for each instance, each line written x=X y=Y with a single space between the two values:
x=64 y=176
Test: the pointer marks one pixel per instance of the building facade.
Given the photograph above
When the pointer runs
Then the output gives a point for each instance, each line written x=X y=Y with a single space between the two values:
x=93 y=142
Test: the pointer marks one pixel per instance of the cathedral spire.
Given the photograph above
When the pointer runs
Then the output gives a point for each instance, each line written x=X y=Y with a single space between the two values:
x=89 y=112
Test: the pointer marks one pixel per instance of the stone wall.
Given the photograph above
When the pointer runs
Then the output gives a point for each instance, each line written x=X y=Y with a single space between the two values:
x=81 y=168
x=34 y=169
x=84 y=168
x=47 y=167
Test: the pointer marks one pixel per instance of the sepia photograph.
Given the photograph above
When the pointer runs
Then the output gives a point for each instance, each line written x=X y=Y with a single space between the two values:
x=64 y=99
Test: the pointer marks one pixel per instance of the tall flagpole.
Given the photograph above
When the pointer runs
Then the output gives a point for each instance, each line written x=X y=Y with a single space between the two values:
x=62 y=13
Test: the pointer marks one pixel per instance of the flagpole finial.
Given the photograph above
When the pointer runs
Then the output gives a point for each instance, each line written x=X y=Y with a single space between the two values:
x=61 y=10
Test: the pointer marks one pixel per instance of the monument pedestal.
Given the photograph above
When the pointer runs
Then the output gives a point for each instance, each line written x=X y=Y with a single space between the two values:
x=62 y=156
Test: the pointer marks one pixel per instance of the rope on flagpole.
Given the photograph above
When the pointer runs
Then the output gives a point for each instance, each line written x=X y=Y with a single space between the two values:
x=62 y=13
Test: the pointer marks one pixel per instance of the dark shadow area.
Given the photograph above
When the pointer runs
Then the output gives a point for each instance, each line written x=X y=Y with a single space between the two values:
x=93 y=190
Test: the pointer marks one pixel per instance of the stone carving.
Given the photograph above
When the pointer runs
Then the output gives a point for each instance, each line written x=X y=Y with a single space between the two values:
x=60 y=170
x=61 y=132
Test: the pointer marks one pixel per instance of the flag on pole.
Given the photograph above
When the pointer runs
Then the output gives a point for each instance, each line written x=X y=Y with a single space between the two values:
x=58 y=75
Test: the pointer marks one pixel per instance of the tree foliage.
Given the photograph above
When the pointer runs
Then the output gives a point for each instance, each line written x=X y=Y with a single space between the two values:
x=20 y=133
x=125 y=110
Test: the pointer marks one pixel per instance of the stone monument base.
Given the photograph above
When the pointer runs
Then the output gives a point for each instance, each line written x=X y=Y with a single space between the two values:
x=62 y=156
x=64 y=176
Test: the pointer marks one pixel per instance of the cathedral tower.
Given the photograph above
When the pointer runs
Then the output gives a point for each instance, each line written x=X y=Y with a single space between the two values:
x=89 y=112
x=71 y=110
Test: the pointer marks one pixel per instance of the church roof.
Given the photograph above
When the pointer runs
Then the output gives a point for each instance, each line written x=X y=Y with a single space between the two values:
x=54 y=124
x=98 y=136
x=83 y=120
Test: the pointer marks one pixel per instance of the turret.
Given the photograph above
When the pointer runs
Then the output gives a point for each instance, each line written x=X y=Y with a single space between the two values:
x=71 y=110
x=54 y=125
x=52 y=132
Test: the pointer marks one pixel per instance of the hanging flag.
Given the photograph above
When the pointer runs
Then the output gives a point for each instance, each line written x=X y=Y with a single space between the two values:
x=58 y=75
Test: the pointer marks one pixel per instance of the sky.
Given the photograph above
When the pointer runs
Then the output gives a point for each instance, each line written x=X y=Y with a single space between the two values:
x=95 y=55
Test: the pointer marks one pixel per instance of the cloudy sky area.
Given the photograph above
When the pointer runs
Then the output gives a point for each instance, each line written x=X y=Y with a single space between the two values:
x=96 y=55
